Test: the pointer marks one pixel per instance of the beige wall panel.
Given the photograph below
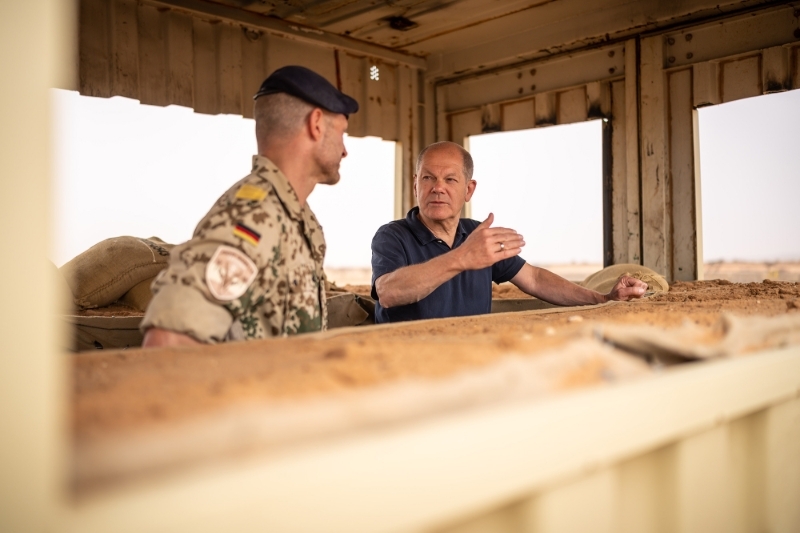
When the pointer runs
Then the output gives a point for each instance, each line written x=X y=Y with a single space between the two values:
x=619 y=175
x=776 y=76
x=534 y=78
x=124 y=49
x=647 y=492
x=229 y=68
x=152 y=55
x=598 y=99
x=742 y=34
x=283 y=52
x=633 y=205
x=380 y=105
x=180 y=60
x=740 y=78
x=748 y=476
x=462 y=125
x=782 y=444
x=94 y=54
x=705 y=79
x=545 y=109
x=588 y=504
x=703 y=482
x=354 y=76
x=518 y=115
x=681 y=168
x=254 y=68
x=206 y=81
x=655 y=187
x=571 y=106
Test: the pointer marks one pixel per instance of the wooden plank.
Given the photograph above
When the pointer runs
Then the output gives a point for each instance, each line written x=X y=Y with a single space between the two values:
x=782 y=452
x=152 y=56
x=229 y=68
x=518 y=115
x=681 y=168
x=491 y=118
x=775 y=70
x=206 y=81
x=464 y=124
x=254 y=67
x=442 y=118
x=380 y=106
x=571 y=106
x=353 y=75
x=545 y=109
x=93 y=49
x=795 y=54
x=180 y=59
x=282 y=52
x=654 y=184
x=632 y=175
x=740 y=78
x=598 y=96
x=698 y=195
x=124 y=49
x=619 y=176
x=705 y=79
x=406 y=122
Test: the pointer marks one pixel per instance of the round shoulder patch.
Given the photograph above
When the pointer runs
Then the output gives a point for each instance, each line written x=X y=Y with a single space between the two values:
x=229 y=273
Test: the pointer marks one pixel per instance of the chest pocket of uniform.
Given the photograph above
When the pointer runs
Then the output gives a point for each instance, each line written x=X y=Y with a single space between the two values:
x=303 y=313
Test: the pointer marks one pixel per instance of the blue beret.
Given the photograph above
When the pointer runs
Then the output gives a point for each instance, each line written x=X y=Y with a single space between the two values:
x=309 y=86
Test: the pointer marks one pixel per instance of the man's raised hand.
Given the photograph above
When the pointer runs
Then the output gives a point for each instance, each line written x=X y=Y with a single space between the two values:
x=487 y=245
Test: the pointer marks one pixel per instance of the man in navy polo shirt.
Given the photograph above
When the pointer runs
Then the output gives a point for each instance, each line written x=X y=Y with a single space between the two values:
x=434 y=264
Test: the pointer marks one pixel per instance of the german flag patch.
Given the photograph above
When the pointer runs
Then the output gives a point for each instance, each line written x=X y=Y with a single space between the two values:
x=246 y=234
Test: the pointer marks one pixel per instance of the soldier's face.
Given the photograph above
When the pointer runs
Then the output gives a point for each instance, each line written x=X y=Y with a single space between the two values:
x=441 y=187
x=332 y=148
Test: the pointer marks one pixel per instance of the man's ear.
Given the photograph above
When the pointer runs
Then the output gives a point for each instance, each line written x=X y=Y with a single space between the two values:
x=471 y=184
x=316 y=124
x=415 y=185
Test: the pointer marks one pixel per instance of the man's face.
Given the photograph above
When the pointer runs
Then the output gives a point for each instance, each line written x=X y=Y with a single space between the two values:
x=332 y=148
x=441 y=187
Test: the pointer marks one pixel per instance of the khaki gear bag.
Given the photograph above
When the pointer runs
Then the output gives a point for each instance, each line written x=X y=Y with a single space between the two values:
x=103 y=273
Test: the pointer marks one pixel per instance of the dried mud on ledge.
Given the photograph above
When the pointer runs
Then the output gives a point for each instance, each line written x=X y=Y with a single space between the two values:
x=119 y=390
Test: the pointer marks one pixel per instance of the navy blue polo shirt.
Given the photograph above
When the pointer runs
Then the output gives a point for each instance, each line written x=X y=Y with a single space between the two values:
x=408 y=242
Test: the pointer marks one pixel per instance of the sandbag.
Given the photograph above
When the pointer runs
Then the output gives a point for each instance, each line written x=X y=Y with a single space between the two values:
x=604 y=280
x=139 y=296
x=109 y=269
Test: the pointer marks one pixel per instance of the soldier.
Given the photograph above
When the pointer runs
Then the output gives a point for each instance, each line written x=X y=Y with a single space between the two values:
x=253 y=268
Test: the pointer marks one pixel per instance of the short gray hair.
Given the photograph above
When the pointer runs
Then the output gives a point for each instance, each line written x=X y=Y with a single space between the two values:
x=468 y=166
x=279 y=115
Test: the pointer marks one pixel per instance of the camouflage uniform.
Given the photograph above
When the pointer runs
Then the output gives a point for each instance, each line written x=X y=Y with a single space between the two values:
x=252 y=270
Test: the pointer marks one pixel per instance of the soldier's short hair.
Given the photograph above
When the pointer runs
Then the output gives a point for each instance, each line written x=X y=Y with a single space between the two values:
x=468 y=166
x=279 y=115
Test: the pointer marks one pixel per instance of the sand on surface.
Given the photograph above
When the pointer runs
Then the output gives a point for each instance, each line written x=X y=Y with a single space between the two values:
x=137 y=388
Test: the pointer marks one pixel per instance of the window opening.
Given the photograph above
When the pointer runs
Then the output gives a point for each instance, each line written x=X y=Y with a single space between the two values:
x=546 y=183
x=750 y=188
x=123 y=168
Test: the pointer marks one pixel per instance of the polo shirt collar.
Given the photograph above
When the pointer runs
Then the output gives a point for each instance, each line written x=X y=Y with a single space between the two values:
x=423 y=234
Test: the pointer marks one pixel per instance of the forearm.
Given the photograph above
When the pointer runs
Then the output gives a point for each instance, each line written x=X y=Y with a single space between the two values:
x=413 y=283
x=552 y=288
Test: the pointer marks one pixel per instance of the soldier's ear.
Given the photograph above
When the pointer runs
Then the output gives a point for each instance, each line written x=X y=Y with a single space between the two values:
x=316 y=124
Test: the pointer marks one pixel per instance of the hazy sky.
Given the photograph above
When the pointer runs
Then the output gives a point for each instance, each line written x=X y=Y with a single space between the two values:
x=130 y=169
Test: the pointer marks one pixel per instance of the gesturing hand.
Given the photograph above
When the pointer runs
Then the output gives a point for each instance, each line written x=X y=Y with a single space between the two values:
x=627 y=288
x=487 y=245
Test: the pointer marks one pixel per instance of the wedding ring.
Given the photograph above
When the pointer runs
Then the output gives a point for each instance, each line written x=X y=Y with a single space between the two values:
x=502 y=246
